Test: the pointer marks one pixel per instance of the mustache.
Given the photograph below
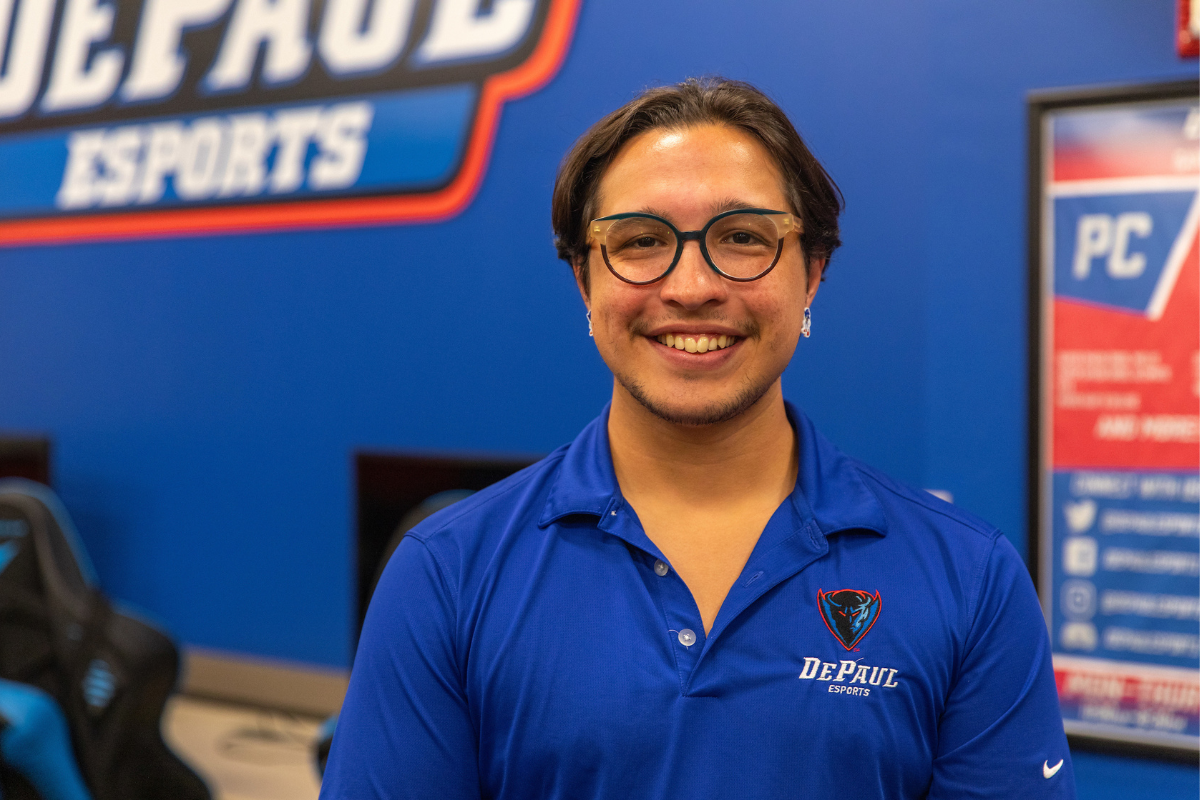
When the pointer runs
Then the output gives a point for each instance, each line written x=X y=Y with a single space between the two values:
x=642 y=327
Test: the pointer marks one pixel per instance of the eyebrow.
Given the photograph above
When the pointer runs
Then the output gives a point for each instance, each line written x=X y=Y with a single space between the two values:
x=721 y=206
x=655 y=211
x=729 y=204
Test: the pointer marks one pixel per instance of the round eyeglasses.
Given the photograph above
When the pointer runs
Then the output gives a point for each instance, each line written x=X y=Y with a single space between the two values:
x=742 y=245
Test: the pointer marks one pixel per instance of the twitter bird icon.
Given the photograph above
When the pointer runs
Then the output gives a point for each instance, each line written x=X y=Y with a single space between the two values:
x=1080 y=516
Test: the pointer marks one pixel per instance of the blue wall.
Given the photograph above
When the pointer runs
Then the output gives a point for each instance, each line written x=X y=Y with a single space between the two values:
x=204 y=395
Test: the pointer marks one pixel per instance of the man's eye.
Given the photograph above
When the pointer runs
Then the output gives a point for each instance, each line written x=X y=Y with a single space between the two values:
x=644 y=242
x=742 y=238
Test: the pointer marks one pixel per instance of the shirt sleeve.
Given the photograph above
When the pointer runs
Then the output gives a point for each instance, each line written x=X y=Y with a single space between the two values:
x=405 y=730
x=1001 y=734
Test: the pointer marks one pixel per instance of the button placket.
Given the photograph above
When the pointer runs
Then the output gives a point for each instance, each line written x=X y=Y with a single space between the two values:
x=675 y=601
x=682 y=621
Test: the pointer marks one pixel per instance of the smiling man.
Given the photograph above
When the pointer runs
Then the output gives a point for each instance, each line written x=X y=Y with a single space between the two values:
x=700 y=596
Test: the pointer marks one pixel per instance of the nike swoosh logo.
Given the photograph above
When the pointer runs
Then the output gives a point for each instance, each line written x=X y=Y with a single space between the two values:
x=8 y=551
x=1049 y=771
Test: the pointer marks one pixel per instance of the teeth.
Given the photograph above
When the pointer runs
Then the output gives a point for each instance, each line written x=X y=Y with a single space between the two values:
x=692 y=344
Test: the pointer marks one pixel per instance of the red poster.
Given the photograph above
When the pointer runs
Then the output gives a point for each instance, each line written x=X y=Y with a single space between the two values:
x=1119 y=414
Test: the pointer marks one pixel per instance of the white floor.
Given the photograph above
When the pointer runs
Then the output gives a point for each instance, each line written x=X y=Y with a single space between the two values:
x=243 y=753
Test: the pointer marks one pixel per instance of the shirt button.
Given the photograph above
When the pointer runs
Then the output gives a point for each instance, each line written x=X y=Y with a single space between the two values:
x=661 y=568
x=687 y=637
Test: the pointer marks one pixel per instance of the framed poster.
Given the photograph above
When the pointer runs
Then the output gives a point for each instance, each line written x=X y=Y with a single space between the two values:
x=1115 y=408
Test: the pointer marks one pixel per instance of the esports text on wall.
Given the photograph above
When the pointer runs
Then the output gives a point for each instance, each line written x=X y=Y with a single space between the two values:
x=162 y=117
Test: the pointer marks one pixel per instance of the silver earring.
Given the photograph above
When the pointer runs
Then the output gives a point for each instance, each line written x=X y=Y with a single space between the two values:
x=806 y=326
x=589 y=319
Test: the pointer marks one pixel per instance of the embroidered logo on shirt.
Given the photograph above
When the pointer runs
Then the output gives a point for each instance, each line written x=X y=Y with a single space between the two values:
x=837 y=673
x=1049 y=771
x=848 y=613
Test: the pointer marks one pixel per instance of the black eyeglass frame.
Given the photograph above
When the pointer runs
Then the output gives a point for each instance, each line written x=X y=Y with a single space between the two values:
x=785 y=223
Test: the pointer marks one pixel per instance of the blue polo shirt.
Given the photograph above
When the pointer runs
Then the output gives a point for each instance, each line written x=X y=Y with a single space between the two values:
x=531 y=642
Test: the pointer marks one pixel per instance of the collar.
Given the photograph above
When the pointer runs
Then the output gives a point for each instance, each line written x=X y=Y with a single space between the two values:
x=829 y=489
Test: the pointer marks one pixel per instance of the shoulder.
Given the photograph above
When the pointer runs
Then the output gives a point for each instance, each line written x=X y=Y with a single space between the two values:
x=906 y=505
x=482 y=521
x=933 y=537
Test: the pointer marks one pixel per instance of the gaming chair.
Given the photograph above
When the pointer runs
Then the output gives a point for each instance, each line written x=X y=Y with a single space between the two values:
x=65 y=651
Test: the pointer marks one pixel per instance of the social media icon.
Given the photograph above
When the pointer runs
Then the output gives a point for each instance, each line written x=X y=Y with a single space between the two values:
x=1078 y=636
x=1079 y=599
x=1080 y=516
x=1080 y=556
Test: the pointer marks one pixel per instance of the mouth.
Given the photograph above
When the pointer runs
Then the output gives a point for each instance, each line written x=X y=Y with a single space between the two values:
x=693 y=343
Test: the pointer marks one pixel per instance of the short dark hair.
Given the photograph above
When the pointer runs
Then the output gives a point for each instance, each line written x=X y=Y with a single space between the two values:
x=697 y=101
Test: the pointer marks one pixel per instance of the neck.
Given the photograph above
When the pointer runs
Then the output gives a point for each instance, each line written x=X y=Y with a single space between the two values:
x=751 y=455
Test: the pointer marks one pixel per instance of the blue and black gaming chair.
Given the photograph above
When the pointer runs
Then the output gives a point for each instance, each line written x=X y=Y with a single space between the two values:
x=35 y=744
x=82 y=685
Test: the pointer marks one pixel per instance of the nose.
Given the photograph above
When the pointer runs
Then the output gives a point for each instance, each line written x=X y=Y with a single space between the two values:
x=693 y=283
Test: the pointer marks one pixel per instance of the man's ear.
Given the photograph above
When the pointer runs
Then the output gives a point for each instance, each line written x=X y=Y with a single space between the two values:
x=581 y=281
x=816 y=268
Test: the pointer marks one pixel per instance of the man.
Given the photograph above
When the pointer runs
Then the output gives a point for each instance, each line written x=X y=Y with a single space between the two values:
x=700 y=596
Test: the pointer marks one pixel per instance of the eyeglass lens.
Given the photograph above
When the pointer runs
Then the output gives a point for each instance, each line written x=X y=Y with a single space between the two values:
x=641 y=249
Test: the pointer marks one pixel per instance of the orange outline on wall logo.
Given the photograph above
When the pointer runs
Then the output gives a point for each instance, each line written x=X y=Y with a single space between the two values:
x=534 y=73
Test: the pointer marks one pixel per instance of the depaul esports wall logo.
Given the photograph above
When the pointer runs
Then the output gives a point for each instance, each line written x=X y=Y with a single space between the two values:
x=128 y=118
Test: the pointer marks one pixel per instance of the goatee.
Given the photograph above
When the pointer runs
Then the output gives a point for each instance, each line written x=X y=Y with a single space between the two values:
x=722 y=411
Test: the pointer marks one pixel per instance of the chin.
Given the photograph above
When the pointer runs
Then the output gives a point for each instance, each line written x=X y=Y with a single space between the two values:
x=697 y=413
